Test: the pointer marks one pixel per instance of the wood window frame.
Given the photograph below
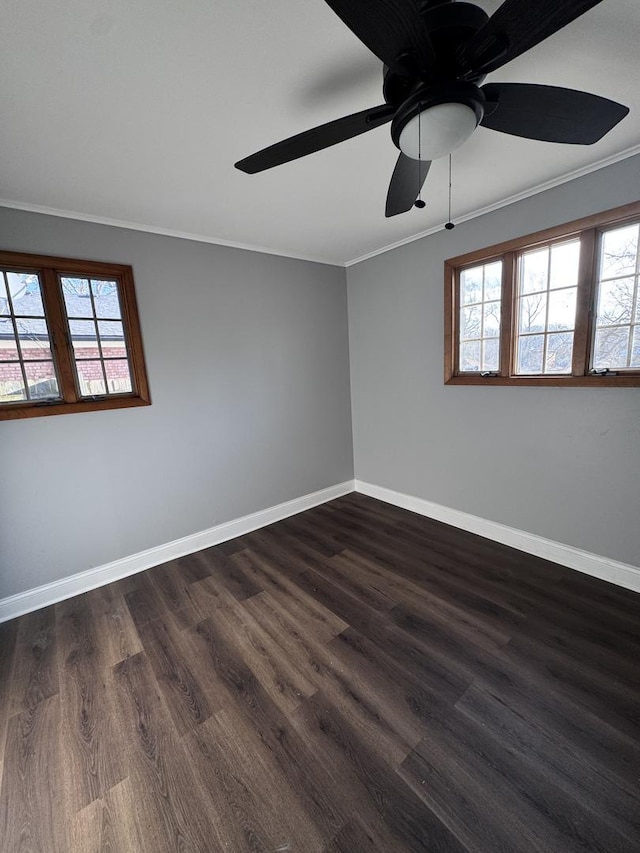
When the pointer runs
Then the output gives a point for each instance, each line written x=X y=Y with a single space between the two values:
x=587 y=230
x=50 y=269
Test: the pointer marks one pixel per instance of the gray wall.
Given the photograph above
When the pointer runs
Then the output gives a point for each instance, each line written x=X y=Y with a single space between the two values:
x=562 y=463
x=248 y=363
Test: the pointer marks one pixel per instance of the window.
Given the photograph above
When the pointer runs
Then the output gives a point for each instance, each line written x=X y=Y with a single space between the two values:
x=69 y=337
x=560 y=307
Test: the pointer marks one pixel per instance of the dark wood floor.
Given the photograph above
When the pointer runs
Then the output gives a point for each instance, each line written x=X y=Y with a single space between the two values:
x=356 y=678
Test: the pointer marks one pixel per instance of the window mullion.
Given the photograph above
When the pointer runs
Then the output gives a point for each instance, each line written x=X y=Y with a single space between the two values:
x=452 y=323
x=506 y=313
x=59 y=334
x=585 y=302
x=130 y=321
x=634 y=308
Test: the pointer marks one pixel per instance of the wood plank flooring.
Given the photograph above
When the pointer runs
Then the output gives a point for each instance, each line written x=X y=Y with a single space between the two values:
x=355 y=678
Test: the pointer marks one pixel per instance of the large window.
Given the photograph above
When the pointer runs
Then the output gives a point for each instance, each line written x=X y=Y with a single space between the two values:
x=69 y=337
x=560 y=307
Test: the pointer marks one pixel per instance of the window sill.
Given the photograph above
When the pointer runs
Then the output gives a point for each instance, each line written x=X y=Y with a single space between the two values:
x=38 y=410
x=619 y=381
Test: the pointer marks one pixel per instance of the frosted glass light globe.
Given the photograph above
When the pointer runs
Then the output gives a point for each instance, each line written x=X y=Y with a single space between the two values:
x=437 y=131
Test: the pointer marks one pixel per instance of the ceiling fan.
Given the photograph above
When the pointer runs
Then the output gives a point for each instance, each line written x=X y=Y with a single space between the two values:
x=436 y=54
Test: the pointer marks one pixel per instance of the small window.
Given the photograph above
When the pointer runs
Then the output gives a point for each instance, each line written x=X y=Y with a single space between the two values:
x=69 y=337
x=561 y=307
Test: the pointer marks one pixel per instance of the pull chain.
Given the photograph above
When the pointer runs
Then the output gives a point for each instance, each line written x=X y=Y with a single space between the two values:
x=419 y=203
x=449 y=225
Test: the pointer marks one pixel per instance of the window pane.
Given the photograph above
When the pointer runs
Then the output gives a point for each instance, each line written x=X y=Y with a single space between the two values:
x=530 y=354
x=4 y=299
x=532 y=313
x=471 y=285
x=619 y=251
x=491 y=322
x=24 y=290
x=565 y=260
x=559 y=353
x=118 y=378
x=90 y=378
x=493 y=281
x=490 y=355
x=611 y=348
x=471 y=318
x=635 y=349
x=8 y=346
x=11 y=383
x=615 y=302
x=562 y=309
x=77 y=297
x=535 y=268
x=33 y=337
x=41 y=380
x=470 y=356
x=105 y=299
x=112 y=339
x=84 y=339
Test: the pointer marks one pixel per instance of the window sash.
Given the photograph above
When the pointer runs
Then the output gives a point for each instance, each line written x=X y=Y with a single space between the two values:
x=481 y=340
x=93 y=317
x=20 y=362
x=522 y=297
x=633 y=326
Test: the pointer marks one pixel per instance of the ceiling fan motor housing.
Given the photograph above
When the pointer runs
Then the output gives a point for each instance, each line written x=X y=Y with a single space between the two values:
x=450 y=25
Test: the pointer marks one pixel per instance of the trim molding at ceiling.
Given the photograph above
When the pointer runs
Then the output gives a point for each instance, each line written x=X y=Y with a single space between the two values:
x=248 y=247
x=540 y=188
x=621 y=574
x=153 y=229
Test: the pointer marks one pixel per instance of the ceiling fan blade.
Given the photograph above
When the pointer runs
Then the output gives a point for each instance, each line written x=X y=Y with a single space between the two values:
x=549 y=113
x=517 y=26
x=389 y=28
x=406 y=182
x=316 y=139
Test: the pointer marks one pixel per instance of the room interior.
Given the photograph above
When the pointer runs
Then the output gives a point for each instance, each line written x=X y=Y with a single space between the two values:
x=312 y=598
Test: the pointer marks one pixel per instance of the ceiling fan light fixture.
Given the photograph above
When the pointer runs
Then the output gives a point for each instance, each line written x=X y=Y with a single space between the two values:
x=437 y=131
x=437 y=119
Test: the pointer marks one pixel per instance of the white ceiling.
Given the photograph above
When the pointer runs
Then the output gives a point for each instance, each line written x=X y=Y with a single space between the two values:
x=136 y=110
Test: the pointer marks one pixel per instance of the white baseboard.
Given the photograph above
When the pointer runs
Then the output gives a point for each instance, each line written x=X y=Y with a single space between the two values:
x=621 y=574
x=42 y=596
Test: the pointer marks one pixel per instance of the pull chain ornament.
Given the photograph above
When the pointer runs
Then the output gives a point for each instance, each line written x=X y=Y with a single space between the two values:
x=419 y=203
x=449 y=225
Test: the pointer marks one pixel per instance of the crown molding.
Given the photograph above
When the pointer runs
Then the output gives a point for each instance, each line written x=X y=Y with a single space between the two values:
x=163 y=232
x=249 y=247
x=539 y=188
